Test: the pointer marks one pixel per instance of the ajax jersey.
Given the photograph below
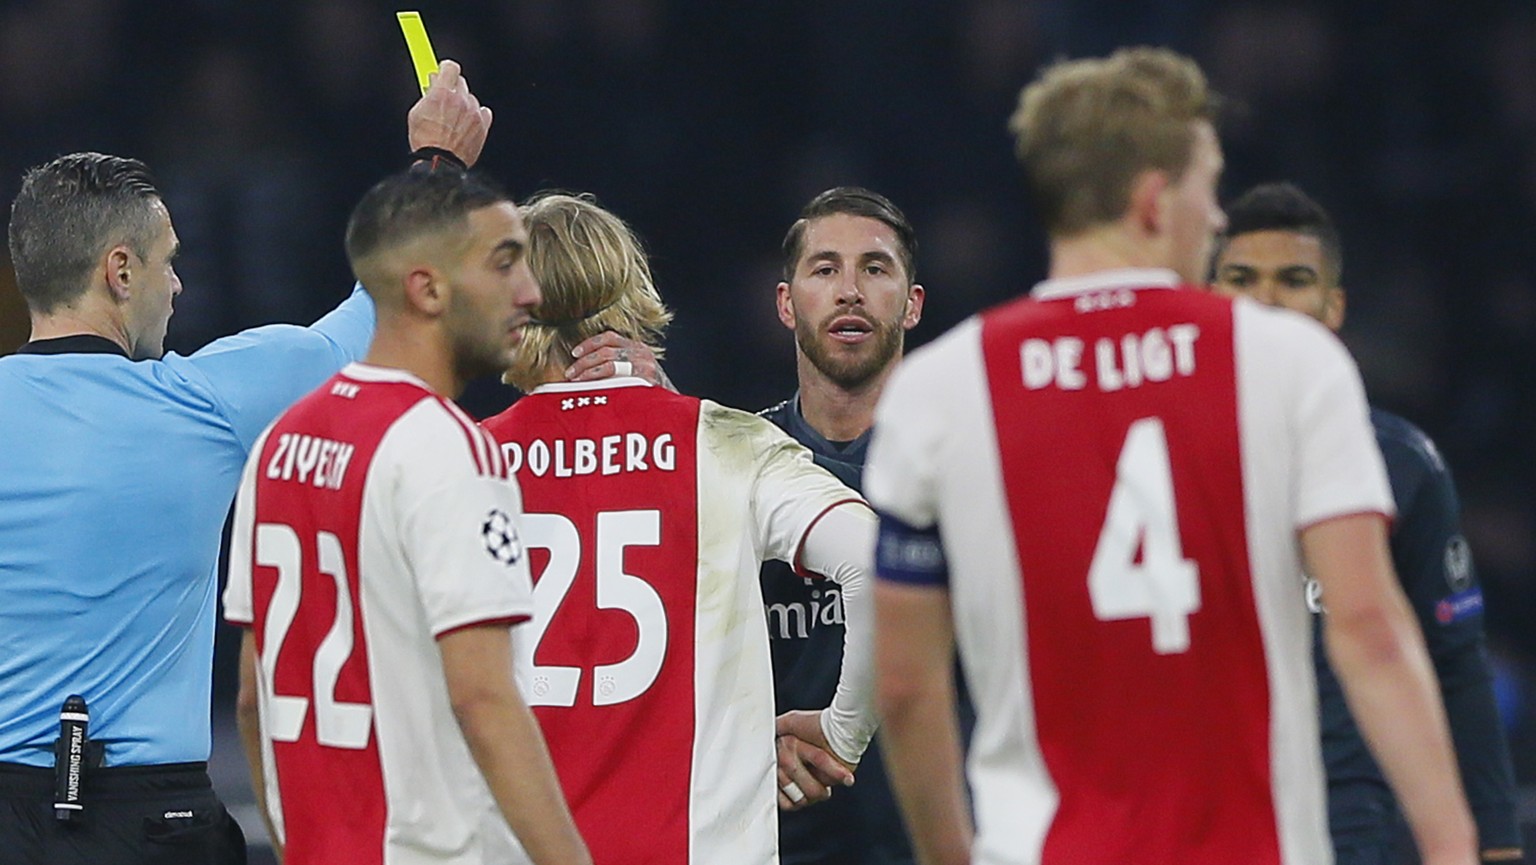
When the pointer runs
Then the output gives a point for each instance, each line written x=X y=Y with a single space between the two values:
x=1118 y=468
x=648 y=516
x=373 y=518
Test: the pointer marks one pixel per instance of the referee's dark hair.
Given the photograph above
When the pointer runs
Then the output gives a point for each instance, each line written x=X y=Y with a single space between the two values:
x=405 y=206
x=1284 y=207
x=69 y=212
x=853 y=201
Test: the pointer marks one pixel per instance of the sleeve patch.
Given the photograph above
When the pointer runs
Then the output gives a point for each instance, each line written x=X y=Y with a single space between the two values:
x=1458 y=564
x=500 y=535
x=1460 y=606
x=905 y=554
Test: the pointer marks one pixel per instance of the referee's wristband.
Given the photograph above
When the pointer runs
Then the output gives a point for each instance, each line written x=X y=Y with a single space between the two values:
x=433 y=158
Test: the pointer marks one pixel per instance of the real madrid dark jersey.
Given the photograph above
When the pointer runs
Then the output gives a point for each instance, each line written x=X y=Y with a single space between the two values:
x=859 y=824
x=1435 y=566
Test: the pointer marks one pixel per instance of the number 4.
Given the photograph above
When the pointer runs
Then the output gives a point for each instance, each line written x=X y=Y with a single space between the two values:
x=1164 y=586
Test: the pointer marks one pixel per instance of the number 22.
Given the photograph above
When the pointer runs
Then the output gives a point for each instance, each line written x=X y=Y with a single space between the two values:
x=337 y=724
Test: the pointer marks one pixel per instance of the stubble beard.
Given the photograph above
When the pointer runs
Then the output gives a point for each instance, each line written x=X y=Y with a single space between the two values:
x=476 y=357
x=849 y=367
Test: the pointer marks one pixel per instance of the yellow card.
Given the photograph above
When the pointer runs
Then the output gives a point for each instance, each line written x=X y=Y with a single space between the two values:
x=421 y=47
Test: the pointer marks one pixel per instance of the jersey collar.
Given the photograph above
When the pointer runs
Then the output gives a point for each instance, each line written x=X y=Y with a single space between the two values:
x=1120 y=277
x=80 y=343
x=600 y=384
x=368 y=372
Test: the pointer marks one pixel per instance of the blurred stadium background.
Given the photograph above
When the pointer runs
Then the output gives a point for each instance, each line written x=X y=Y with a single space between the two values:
x=708 y=124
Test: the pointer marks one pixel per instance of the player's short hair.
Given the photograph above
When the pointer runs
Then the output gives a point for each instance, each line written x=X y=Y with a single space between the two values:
x=852 y=201
x=1284 y=207
x=1084 y=129
x=593 y=276
x=68 y=213
x=412 y=204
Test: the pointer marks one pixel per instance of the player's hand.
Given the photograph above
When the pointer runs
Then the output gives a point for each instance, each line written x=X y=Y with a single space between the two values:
x=807 y=774
x=602 y=357
x=449 y=116
x=819 y=764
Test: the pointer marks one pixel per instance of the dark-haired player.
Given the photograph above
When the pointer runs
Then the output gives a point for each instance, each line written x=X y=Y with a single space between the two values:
x=377 y=564
x=850 y=295
x=1281 y=248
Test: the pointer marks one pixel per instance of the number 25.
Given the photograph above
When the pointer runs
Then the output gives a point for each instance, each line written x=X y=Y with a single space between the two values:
x=619 y=682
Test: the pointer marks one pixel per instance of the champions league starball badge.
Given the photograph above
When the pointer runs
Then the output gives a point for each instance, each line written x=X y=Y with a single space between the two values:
x=501 y=540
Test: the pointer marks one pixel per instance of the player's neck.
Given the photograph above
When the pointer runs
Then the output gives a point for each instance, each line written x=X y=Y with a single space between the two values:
x=1103 y=247
x=419 y=353
x=554 y=373
x=839 y=414
x=81 y=320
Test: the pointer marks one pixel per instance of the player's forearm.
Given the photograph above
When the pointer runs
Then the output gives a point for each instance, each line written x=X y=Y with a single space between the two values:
x=921 y=743
x=838 y=546
x=506 y=743
x=1482 y=752
x=851 y=720
x=1390 y=687
x=248 y=722
x=921 y=738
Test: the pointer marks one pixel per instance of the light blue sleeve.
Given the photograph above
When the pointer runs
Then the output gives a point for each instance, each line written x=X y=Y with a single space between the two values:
x=255 y=374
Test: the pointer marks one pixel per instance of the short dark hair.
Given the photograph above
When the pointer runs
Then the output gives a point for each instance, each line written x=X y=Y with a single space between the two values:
x=1284 y=207
x=853 y=201
x=71 y=210
x=407 y=205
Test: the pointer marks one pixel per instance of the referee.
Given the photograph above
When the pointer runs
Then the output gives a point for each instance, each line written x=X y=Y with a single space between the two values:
x=117 y=467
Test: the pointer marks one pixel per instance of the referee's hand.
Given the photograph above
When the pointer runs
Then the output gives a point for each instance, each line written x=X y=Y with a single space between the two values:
x=449 y=116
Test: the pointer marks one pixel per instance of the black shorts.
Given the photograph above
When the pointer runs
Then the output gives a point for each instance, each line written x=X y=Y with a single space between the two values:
x=134 y=815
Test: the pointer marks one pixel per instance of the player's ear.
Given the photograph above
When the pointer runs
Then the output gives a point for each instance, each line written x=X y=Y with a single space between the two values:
x=1146 y=207
x=786 y=306
x=425 y=290
x=117 y=267
x=914 y=314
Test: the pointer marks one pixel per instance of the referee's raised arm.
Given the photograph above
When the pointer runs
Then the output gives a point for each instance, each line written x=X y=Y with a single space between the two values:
x=117 y=467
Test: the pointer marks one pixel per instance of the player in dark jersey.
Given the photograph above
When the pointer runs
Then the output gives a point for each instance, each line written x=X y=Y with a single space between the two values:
x=849 y=295
x=1281 y=248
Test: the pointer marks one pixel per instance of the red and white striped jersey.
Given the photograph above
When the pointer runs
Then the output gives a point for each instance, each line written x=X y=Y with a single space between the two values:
x=648 y=517
x=374 y=517
x=1118 y=468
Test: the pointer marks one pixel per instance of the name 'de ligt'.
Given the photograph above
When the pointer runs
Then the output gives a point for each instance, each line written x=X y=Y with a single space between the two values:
x=1128 y=362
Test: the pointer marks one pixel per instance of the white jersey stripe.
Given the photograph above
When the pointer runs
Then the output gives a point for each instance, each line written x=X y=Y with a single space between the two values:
x=472 y=430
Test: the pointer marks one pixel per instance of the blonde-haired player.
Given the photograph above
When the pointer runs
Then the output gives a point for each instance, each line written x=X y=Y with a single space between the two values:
x=1126 y=475
x=648 y=515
